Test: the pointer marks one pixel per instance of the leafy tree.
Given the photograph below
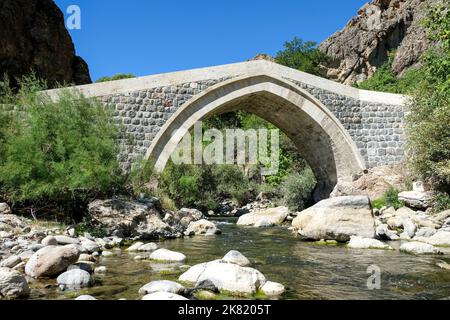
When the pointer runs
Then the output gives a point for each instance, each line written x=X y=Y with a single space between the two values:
x=301 y=55
x=58 y=154
x=429 y=110
x=118 y=76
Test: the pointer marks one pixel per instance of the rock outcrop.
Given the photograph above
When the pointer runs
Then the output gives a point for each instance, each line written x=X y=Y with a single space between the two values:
x=336 y=219
x=34 y=38
x=365 y=42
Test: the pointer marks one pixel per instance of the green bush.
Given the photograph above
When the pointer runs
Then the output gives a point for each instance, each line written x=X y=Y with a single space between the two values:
x=118 y=76
x=303 y=56
x=141 y=178
x=440 y=202
x=203 y=187
x=297 y=188
x=385 y=80
x=390 y=198
x=429 y=110
x=58 y=154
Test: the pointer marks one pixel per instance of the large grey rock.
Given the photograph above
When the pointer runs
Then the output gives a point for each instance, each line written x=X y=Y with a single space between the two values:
x=366 y=243
x=132 y=219
x=383 y=233
x=49 y=241
x=51 y=261
x=264 y=217
x=147 y=247
x=363 y=45
x=162 y=286
x=135 y=246
x=419 y=248
x=66 y=240
x=425 y=232
x=336 y=219
x=440 y=238
x=11 y=262
x=73 y=279
x=200 y=227
x=415 y=199
x=13 y=284
x=237 y=258
x=273 y=288
x=227 y=277
x=167 y=255
x=90 y=246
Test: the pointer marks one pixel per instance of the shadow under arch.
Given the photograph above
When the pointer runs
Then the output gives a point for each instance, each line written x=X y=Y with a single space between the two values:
x=315 y=131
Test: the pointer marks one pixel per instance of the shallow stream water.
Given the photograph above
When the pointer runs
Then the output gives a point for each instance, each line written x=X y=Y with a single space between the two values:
x=308 y=270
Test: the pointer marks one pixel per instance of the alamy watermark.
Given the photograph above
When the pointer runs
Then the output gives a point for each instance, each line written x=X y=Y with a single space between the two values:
x=230 y=146
x=73 y=21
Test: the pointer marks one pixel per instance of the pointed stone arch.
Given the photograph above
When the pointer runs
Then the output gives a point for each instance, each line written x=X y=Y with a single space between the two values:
x=317 y=133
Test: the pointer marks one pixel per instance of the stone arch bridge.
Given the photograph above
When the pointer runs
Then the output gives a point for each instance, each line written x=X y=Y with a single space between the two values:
x=340 y=130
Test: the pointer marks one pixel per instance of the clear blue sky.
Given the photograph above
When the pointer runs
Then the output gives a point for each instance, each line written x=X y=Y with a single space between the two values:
x=145 y=37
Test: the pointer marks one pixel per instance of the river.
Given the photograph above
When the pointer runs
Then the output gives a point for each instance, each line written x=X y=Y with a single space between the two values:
x=308 y=270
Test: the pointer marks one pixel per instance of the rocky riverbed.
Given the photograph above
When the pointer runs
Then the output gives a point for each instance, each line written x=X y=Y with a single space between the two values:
x=253 y=258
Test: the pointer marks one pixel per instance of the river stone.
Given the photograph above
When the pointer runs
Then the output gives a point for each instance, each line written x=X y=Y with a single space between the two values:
x=85 y=297
x=136 y=219
x=409 y=227
x=5 y=208
x=162 y=286
x=90 y=246
x=26 y=255
x=264 y=217
x=51 y=261
x=419 y=248
x=200 y=227
x=107 y=254
x=367 y=243
x=49 y=241
x=167 y=255
x=13 y=284
x=383 y=233
x=425 y=232
x=86 y=257
x=66 y=240
x=100 y=270
x=337 y=219
x=273 y=288
x=83 y=265
x=226 y=277
x=148 y=247
x=236 y=257
x=10 y=262
x=440 y=238
x=75 y=278
x=163 y=296
x=415 y=199
x=135 y=247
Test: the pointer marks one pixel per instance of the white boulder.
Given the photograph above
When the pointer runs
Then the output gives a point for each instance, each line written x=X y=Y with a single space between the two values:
x=162 y=286
x=336 y=219
x=167 y=255
x=264 y=217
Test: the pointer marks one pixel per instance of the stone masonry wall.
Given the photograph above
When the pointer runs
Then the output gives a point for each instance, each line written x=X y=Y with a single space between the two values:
x=377 y=129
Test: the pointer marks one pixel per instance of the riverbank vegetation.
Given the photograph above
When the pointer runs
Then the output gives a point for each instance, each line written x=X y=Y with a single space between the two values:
x=428 y=119
x=57 y=155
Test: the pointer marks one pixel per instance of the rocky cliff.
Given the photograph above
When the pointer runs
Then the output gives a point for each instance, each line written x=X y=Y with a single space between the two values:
x=33 y=37
x=380 y=27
